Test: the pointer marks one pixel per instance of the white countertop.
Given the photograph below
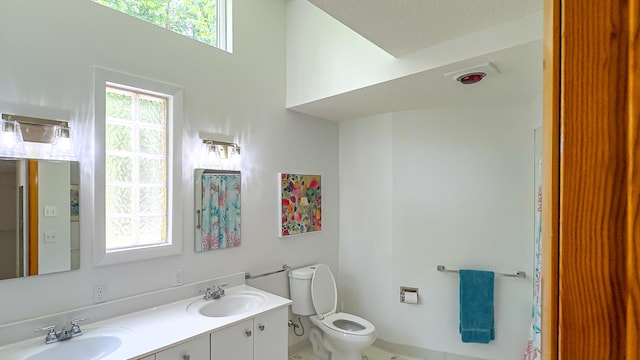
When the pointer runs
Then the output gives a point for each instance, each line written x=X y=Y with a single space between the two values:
x=148 y=331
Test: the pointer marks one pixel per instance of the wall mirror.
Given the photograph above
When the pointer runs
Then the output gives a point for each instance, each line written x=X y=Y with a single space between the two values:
x=39 y=222
x=217 y=209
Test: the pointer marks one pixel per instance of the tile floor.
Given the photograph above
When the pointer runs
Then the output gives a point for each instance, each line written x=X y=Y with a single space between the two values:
x=370 y=353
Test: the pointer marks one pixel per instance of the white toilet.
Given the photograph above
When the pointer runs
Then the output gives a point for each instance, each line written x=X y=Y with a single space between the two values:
x=313 y=292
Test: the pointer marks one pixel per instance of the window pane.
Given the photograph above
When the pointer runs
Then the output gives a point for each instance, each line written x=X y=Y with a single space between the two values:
x=152 y=141
x=118 y=137
x=119 y=169
x=119 y=106
x=153 y=199
x=152 y=230
x=152 y=111
x=119 y=233
x=119 y=200
x=152 y=171
x=196 y=19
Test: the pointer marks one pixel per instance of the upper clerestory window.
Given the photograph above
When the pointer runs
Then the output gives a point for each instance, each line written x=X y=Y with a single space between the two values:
x=202 y=20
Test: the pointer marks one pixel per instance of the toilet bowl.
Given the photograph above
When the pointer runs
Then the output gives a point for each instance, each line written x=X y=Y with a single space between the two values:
x=313 y=292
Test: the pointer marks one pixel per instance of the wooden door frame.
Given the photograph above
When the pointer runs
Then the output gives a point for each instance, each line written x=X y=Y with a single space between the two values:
x=591 y=183
x=33 y=217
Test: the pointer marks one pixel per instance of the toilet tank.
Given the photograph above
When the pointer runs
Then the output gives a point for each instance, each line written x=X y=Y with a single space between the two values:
x=300 y=288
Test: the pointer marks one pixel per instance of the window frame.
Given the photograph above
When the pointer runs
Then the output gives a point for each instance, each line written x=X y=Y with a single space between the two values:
x=174 y=96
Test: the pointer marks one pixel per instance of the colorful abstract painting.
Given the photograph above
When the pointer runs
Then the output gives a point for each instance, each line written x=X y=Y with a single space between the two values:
x=300 y=204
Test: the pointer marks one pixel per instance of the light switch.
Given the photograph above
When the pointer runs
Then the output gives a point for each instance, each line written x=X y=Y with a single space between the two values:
x=50 y=211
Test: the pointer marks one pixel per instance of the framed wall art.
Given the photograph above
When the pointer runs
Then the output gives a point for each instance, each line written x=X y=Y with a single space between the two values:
x=300 y=203
x=217 y=209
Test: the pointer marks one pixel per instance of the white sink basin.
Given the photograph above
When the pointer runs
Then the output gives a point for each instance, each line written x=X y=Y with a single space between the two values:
x=228 y=305
x=92 y=345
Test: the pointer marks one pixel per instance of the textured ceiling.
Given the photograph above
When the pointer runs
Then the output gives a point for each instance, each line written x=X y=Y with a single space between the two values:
x=403 y=26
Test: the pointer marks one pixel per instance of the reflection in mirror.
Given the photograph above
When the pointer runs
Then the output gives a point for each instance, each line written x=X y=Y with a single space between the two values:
x=217 y=209
x=39 y=222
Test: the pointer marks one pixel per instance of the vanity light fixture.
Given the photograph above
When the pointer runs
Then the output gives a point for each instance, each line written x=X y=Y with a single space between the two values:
x=221 y=154
x=39 y=138
x=62 y=146
x=11 y=142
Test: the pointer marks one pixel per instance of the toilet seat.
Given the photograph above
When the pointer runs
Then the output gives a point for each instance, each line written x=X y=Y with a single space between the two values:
x=362 y=327
x=324 y=298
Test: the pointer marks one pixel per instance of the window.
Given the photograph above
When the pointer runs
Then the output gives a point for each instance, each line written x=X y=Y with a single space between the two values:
x=137 y=176
x=201 y=20
x=135 y=169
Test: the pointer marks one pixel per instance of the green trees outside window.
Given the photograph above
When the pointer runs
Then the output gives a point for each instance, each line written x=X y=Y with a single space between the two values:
x=196 y=19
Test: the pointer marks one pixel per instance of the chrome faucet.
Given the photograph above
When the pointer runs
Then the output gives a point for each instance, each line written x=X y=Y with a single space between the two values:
x=211 y=294
x=62 y=335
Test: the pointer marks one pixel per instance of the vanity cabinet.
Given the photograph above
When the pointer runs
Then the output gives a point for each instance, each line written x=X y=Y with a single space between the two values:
x=196 y=349
x=234 y=342
x=270 y=341
x=263 y=337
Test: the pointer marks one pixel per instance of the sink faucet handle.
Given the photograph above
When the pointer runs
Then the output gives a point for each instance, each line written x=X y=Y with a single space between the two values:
x=49 y=328
x=51 y=334
x=207 y=293
x=75 y=327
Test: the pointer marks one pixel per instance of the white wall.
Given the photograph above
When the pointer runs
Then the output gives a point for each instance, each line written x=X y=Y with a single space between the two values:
x=460 y=181
x=49 y=49
x=53 y=182
x=366 y=183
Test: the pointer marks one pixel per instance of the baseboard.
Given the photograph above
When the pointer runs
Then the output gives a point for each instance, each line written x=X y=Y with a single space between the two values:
x=417 y=352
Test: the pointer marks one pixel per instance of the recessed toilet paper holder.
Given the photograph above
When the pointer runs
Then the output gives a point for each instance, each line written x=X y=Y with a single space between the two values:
x=406 y=289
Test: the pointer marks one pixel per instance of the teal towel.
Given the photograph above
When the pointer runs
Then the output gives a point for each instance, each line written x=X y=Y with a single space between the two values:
x=476 y=306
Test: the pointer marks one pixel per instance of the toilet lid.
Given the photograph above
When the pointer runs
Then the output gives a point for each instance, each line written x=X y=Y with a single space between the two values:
x=323 y=291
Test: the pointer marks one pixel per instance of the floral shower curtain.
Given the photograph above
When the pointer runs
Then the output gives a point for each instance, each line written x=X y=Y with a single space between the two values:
x=220 y=211
x=533 y=350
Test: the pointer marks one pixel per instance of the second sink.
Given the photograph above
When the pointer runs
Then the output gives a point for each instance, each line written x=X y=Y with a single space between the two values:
x=228 y=305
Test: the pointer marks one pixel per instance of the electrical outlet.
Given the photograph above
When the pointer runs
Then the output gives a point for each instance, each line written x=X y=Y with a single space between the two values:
x=49 y=237
x=178 y=277
x=99 y=292
x=50 y=211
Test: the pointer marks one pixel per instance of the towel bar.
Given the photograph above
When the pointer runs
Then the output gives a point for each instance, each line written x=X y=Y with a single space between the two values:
x=519 y=274
x=248 y=276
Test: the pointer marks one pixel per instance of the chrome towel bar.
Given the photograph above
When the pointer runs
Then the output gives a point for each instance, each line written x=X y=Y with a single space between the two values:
x=248 y=276
x=519 y=274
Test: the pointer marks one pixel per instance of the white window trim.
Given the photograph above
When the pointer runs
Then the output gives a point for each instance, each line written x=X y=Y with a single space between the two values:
x=174 y=165
x=224 y=29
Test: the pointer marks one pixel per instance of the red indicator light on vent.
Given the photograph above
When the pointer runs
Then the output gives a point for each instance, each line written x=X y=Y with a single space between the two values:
x=471 y=78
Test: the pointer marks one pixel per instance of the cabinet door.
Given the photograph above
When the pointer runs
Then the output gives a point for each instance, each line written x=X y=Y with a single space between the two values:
x=234 y=342
x=196 y=349
x=270 y=341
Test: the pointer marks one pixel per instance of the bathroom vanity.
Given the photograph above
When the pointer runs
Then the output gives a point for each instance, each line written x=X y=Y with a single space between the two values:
x=246 y=323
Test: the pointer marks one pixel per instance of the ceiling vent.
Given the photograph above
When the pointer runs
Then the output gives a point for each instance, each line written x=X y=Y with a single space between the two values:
x=473 y=74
